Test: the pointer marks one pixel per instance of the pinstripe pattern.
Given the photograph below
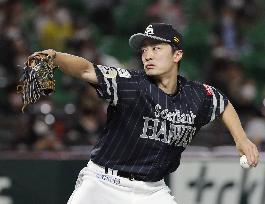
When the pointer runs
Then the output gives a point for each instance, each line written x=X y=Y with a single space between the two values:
x=125 y=143
x=147 y=129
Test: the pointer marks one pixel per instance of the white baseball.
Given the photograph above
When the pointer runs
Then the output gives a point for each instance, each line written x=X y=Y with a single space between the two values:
x=244 y=162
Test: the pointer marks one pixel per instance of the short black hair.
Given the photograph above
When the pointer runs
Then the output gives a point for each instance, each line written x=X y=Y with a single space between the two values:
x=174 y=47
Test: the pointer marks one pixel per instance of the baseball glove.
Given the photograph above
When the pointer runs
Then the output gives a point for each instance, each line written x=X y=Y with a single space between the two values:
x=37 y=78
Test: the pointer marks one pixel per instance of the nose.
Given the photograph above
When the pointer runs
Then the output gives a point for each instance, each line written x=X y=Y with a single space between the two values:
x=148 y=55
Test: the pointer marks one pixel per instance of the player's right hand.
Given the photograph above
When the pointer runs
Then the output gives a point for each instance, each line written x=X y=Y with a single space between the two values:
x=248 y=148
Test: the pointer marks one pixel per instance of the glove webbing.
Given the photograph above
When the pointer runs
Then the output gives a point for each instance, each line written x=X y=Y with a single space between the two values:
x=34 y=84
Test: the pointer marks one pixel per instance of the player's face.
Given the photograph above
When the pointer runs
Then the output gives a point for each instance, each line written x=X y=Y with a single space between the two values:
x=159 y=60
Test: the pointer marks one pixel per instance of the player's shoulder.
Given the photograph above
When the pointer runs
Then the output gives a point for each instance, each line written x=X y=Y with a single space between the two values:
x=199 y=87
x=189 y=83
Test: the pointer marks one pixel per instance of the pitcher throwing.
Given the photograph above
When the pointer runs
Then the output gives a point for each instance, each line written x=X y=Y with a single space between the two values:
x=153 y=114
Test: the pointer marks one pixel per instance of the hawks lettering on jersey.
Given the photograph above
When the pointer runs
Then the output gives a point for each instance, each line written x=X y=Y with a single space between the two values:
x=174 y=127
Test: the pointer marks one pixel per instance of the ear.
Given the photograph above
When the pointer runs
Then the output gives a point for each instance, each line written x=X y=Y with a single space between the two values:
x=177 y=55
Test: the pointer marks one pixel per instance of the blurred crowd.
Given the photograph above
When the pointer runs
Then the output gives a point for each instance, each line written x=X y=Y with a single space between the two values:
x=223 y=47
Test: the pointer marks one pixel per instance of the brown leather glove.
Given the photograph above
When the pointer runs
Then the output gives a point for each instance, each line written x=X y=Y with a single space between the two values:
x=37 y=79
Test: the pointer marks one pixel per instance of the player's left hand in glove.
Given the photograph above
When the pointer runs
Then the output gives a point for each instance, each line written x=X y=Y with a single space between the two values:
x=38 y=77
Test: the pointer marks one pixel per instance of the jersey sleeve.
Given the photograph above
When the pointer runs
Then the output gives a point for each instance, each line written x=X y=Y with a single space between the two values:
x=115 y=84
x=214 y=104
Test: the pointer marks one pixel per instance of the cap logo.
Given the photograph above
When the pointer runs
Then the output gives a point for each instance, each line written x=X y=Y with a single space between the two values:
x=176 y=39
x=149 y=30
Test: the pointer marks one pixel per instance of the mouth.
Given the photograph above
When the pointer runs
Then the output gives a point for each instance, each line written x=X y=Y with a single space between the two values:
x=149 y=66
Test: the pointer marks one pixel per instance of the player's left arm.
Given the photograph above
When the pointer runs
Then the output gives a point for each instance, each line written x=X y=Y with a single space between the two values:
x=231 y=120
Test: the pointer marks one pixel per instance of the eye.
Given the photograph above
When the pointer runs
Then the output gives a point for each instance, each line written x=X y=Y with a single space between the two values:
x=156 y=48
x=143 y=50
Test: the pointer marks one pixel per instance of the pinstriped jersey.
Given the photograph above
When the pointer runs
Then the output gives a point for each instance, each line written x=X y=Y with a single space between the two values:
x=146 y=129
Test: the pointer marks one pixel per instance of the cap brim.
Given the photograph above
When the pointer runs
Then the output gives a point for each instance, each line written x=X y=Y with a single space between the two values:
x=137 y=39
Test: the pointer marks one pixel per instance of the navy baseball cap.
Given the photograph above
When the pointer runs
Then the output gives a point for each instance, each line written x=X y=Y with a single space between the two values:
x=157 y=31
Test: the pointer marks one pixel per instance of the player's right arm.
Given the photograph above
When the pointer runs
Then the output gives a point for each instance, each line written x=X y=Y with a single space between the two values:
x=231 y=120
x=216 y=105
x=72 y=65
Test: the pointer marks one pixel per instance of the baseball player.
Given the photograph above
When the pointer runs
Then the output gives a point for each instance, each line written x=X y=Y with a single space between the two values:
x=153 y=114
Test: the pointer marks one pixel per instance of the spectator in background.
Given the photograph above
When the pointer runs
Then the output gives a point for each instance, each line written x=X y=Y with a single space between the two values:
x=85 y=131
x=167 y=11
x=233 y=17
x=45 y=138
x=42 y=129
x=229 y=43
x=101 y=13
x=88 y=50
x=255 y=129
x=230 y=78
x=82 y=30
x=241 y=89
x=22 y=51
x=8 y=71
x=91 y=118
x=14 y=127
x=12 y=16
x=89 y=101
x=54 y=25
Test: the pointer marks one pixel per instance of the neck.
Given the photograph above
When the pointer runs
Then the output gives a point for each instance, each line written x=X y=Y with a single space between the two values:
x=167 y=84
